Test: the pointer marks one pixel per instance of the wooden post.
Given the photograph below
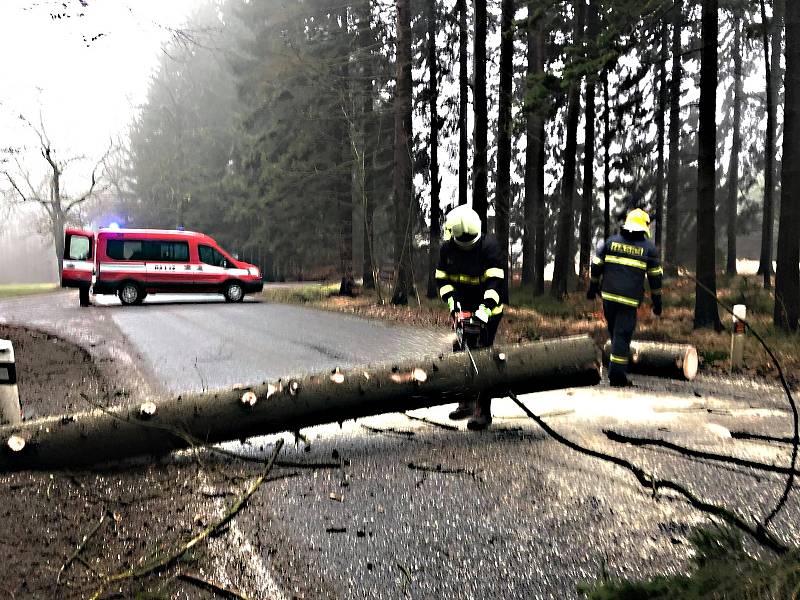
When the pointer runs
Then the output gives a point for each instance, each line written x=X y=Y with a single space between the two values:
x=293 y=403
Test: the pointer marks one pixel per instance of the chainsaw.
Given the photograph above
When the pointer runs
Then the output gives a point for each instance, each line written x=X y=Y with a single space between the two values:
x=469 y=331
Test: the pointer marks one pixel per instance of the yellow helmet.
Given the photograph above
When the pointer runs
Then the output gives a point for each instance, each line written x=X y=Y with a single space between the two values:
x=638 y=220
x=463 y=225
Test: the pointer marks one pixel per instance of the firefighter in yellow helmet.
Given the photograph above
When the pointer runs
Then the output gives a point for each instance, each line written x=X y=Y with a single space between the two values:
x=472 y=279
x=618 y=272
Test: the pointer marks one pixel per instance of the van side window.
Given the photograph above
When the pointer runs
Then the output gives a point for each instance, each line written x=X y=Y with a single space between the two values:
x=125 y=249
x=211 y=256
x=167 y=251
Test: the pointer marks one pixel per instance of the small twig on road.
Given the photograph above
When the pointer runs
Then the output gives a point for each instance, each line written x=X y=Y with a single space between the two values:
x=446 y=426
x=81 y=545
x=441 y=469
x=648 y=481
x=741 y=462
x=212 y=586
x=161 y=562
x=408 y=578
x=389 y=431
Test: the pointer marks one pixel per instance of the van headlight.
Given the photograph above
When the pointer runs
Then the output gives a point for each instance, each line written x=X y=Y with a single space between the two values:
x=253 y=271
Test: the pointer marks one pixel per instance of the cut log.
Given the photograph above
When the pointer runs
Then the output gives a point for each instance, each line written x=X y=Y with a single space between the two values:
x=660 y=359
x=290 y=404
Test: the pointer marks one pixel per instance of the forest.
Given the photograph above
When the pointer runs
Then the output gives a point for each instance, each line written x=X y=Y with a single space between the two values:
x=324 y=139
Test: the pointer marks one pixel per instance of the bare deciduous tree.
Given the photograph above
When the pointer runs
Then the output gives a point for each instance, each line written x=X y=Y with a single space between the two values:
x=59 y=207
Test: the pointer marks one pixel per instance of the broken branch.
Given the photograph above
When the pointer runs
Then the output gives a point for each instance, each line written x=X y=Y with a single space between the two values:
x=741 y=462
x=649 y=481
x=161 y=562
x=81 y=545
x=207 y=584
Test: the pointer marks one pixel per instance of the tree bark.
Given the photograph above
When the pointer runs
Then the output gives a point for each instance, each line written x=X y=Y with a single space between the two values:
x=662 y=107
x=736 y=145
x=533 y=203
x=403 y=137
x=674 y=163
x=787 y=276
x=463 y=97
x=291 y=404
x=660 y=359
x=564 y=266
x=366 y=40
x=706 y=312
x=479 y=167
x=587 y=204
x=433 y=144
x=606 y=159
x=770 y=146
x=504 y=124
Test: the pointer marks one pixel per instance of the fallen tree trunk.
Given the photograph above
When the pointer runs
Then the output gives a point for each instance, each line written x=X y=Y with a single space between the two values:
x=290 y=404
x=660 y=359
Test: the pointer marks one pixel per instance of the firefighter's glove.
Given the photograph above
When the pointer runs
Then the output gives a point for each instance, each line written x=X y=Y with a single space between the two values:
x=483 y=314
x=591 y=293
x=657 y=306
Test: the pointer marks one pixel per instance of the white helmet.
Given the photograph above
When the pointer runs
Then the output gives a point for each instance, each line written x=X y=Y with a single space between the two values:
x=463 y=225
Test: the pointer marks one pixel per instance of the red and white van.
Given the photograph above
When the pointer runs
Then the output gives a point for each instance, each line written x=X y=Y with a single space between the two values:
x=132 y=263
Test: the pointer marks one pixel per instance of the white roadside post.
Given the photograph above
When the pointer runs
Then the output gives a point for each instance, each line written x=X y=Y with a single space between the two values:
x=10 y=413
x=737 y=336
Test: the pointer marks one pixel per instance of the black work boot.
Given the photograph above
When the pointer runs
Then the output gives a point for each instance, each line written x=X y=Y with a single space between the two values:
x=464 y=410
x=482 y=417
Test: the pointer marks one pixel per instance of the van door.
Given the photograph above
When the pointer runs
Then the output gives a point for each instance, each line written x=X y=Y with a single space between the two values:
x=168 y=267
x=78 y=265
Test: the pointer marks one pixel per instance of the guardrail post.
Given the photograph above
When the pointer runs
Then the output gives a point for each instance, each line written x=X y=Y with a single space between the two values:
x=737 y=337
x=10 y=412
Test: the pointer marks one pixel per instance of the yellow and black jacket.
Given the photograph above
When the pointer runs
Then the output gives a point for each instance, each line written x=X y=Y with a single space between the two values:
x=621 y=262
x=473 y=276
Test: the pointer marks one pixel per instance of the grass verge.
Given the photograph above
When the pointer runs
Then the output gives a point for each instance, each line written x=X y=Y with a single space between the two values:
x=8 y=290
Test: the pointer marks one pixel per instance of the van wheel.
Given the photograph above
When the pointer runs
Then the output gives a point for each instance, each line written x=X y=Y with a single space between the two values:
x=233 y=292
x=130 y=294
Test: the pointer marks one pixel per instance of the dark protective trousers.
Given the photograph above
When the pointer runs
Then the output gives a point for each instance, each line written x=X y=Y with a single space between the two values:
x=485 y=340
x=621 y=325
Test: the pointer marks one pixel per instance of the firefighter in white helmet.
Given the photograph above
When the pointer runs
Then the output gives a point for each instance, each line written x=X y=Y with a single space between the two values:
x=472 y=279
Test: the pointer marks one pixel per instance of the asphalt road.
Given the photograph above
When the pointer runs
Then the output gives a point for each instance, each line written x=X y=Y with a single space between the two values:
x=420 y=511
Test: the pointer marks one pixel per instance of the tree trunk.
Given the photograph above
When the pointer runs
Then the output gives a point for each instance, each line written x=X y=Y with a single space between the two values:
x=606 y=159
x=674 y=163
x=433 y=144
x=736 y=145
x=787 y=276
x=770 y=148
x=706 y=312
x=504 y=124
x=366 y=39
x=58 y=223
x=403 y=136
x=662 y=108
x=565 y=259
x=463 y=98
x=660 y=359
x=540 y=254
x=534 y=150
x=295 y=403
x=479 y=167
x=587 y=204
